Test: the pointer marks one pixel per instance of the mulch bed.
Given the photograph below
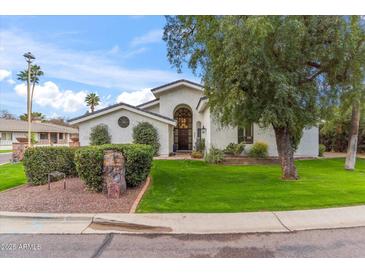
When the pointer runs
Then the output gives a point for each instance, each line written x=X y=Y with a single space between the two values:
x=75 y=199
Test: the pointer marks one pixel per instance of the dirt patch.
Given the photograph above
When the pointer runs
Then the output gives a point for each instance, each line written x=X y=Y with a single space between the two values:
x=75 y=199
x=101 y=224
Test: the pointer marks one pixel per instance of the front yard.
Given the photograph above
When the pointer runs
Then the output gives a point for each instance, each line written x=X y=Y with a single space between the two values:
x=11 y=175
x=194 y=186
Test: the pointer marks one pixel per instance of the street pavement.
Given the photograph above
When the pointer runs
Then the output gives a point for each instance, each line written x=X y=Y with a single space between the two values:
x=5 y=158
x=344 y=242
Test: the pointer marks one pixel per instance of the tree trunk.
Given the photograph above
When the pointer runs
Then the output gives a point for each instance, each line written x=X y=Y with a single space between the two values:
x=286 y=154
x=354 y=133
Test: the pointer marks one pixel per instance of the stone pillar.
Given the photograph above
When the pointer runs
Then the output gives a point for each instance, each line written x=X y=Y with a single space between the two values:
x=114 y=174
x=18 y=151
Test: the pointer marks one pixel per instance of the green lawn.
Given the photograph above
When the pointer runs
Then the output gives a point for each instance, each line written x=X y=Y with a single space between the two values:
x=11 y=175
x=194 y=186
x=5 y=151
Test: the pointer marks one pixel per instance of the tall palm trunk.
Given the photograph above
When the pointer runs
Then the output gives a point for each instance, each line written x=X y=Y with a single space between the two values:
x=354 y=133
x=31 y=101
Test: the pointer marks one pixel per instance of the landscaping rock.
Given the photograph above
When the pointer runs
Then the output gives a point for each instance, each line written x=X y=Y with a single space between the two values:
x=114 y=182
x=18 y=151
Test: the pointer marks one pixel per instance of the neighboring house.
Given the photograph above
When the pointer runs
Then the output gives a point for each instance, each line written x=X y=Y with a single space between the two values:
x=11 y=131
x=181 y=115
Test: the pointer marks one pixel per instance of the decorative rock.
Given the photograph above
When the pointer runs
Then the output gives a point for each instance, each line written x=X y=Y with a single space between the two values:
x=114 y=174
x=18 y=151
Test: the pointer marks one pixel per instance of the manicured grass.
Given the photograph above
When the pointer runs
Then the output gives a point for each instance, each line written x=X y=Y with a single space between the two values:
x=11 y=175
x=5 y=151
x=194 y=186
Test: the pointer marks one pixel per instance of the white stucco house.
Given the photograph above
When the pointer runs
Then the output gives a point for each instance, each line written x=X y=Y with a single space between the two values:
x=181 y=115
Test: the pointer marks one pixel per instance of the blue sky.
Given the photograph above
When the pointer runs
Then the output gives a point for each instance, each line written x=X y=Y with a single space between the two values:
x=119 y=57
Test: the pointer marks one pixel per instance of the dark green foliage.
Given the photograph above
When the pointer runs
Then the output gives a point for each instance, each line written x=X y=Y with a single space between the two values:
x=89 y=166
x=214 y=156
x=89 y=163
x=40 y=161
x=100 y=135
x=322 y=150
x=234 y=149
x=259 y=150
x=145 y=133
x=335 y=130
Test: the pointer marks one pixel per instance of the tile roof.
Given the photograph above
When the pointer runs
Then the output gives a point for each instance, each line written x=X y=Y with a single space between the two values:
x=22 y=126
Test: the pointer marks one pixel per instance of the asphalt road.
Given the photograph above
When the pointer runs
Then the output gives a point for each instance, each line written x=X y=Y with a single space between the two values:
x=348 y=242
x=5 y=157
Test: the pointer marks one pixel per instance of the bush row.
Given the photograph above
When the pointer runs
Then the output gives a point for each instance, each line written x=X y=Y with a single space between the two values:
x=40 y=161
x=87 y=163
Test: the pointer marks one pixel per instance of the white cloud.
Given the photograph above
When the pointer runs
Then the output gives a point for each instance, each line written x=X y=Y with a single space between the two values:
x=153 y=36
x=98 y=68
x=4 y=74
x=136 y=97
x=49 y=95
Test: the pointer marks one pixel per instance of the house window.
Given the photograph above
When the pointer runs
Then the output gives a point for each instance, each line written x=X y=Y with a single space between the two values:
x=43 y=136
x=6 y=136
x=60 y=136
x=245 y=135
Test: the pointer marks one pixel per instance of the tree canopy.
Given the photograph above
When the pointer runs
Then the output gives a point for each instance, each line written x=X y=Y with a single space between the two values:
x=261 y=69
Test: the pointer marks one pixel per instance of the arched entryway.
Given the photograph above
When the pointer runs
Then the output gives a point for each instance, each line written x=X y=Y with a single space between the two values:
x=183 y=132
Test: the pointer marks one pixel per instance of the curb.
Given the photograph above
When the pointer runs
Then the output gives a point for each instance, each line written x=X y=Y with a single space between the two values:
x=140 y=196
x=46 y=216
x=182 y=223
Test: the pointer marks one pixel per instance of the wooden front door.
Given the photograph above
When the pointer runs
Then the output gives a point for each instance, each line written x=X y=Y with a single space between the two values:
x=183 y=130
x=183 y=139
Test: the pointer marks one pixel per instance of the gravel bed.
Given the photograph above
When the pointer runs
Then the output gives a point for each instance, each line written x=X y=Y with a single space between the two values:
x=75 y=199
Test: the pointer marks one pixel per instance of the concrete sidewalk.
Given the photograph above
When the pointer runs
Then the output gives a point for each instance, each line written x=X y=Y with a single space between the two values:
x=183 y=223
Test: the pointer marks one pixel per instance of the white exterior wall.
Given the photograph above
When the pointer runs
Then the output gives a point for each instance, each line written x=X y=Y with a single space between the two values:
x=125 y=135
x=221 y=137
x=154 y=108
x=170 y=100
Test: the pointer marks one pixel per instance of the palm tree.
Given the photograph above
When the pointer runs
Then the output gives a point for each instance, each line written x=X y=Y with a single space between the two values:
x=35 y=73
x=92 y=100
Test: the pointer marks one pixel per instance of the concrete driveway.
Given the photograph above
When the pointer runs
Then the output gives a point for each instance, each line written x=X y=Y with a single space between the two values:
x=5 y=157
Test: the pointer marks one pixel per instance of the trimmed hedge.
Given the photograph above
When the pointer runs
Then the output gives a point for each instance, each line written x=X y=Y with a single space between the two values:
x=89 y=163
x=40 y=161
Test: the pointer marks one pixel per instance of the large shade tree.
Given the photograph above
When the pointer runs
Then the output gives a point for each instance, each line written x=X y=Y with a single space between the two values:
x=350 y=77
x=260 y=69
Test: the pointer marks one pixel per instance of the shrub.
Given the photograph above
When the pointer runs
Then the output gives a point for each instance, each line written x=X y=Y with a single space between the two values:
x=214 y=156
x=322 y=149
x=259 y=150
x=234 y=149
x=200 y=145
x=197 y=155
x=40 y=161
x=100 y=135
x=145 y=133
x=89 y=163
